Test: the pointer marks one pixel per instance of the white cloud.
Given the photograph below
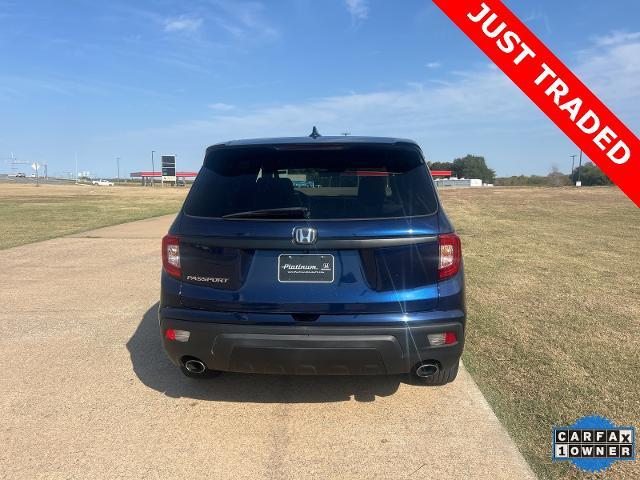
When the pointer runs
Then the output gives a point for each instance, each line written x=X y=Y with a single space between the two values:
x=536 y=16
x=182 y=23
x=222 y=107
x=359 y=9
x=617 y=37
x=478 y=110
x=433 y=65
x=611 y=68
x=414 y=111
x=244 y=19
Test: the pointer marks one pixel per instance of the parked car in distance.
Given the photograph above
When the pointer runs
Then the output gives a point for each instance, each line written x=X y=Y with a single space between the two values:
x=361 y=274
x=102 y=183
x=20 y=175
x=33 y=175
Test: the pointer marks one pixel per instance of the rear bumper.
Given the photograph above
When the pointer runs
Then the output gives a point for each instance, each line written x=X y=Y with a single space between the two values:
x=304 y=348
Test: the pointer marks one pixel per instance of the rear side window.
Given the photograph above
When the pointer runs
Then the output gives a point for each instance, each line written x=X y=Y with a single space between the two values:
x=331 y=182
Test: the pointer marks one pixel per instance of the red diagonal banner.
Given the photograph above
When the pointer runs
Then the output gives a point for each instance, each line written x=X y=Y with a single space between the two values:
x=552 y=87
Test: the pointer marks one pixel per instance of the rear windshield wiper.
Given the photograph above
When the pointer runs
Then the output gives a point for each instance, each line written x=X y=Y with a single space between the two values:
x=289 y=212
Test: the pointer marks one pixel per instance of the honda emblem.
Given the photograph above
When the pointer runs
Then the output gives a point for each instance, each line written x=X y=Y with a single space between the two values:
x=305 y=235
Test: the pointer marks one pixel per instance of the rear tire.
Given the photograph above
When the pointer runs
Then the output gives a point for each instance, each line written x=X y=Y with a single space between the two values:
x=444 y=376
x=200 y=376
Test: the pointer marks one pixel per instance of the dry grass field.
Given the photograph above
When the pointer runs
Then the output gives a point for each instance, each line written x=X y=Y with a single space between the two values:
x=553 y=292
x=30 y=214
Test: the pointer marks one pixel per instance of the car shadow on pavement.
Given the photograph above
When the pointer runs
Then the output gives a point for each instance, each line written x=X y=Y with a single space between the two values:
x=154 y=369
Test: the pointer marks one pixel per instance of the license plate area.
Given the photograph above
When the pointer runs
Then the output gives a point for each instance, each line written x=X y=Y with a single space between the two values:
x=305 y=268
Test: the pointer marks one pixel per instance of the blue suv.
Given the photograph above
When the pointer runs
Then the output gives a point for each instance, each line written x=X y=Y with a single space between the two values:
x=313 y=255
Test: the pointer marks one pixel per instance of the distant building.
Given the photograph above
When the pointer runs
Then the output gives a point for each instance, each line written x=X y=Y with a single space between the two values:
x=458 y=182
x=149 y=177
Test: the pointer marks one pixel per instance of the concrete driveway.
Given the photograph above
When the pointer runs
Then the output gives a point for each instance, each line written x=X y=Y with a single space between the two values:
x=86 y=391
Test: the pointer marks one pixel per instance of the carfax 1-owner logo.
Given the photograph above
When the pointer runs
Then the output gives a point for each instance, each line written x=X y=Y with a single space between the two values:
x=593 y=443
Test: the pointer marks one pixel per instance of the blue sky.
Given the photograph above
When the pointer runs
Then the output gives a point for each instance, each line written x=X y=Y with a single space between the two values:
x=119 y=79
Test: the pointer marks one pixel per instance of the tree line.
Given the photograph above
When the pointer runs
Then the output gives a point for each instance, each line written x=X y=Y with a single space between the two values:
x=590 y=175
x=473 y=166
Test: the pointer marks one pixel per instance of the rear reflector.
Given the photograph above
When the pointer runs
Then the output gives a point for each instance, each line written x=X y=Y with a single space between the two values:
x=450 y=255
x=171 y=255
x=177 y=335
x=444 y=338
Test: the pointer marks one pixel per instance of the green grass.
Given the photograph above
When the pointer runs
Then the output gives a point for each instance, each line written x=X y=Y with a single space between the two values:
x=30 y=214
x=553 y=293
x=553 y=296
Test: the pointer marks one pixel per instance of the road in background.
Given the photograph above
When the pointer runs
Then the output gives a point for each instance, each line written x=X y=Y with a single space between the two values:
x=88 y=393
x=28 y=179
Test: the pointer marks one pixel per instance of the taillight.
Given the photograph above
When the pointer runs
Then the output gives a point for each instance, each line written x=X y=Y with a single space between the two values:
x=171 y=255
x=450 y=255
x=444 y=338
x=177 y=335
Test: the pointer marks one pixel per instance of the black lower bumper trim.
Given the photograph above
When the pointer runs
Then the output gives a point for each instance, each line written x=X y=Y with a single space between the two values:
x=294 y=349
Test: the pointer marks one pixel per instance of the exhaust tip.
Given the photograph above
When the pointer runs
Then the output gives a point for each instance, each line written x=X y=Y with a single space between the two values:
x=195 y=366
x=427 y=370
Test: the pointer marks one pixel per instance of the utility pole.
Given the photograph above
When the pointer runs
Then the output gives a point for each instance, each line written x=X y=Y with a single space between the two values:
x=573 y=162
x=153 y=168
x=579 y=168
x=118 y=163
x=76 y=155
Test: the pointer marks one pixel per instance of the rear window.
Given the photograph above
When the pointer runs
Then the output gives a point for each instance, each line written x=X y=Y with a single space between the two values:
x=331 y=182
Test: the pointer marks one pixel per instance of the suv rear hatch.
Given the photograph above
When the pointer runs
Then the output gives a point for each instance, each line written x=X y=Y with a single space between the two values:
x=311 y=229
